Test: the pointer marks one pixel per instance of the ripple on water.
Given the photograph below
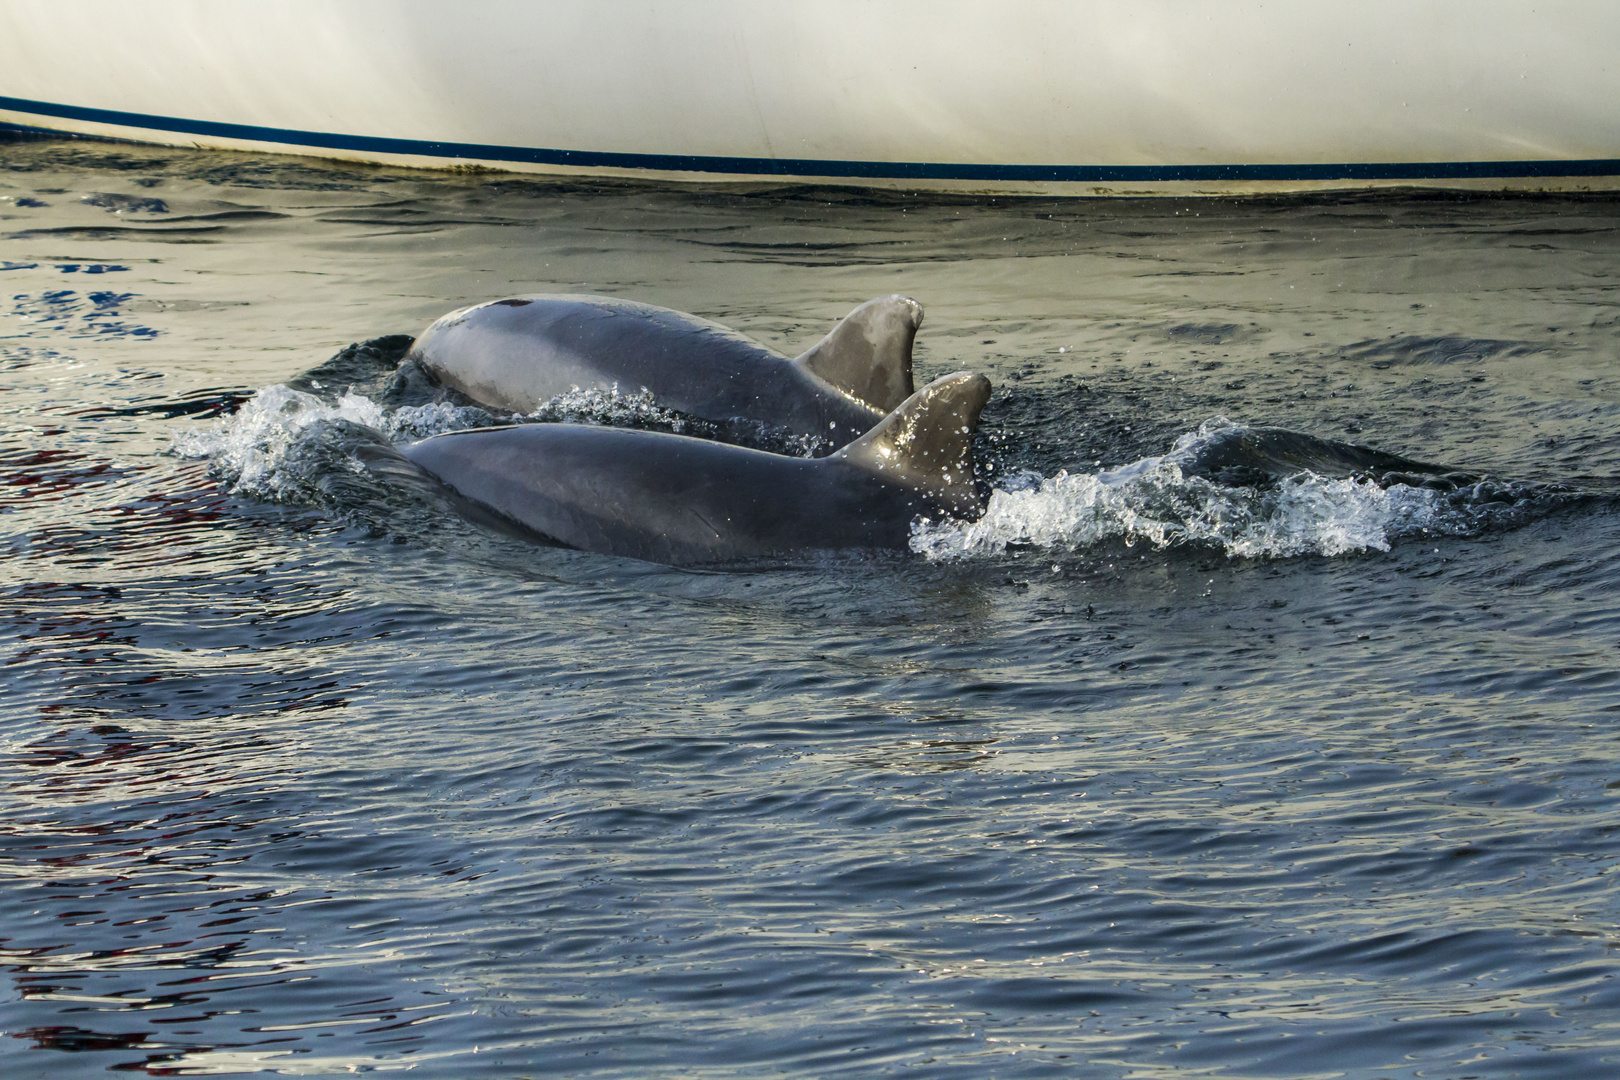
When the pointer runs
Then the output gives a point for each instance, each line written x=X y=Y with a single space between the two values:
x=1182 y=763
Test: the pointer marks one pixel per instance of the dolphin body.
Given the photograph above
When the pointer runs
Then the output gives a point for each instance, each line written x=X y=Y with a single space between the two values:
x=521 y=352
x=682 y=501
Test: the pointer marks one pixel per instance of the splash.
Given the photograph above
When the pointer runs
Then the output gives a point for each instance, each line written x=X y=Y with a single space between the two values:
x=611 y=408
x=257 y=451
x=1158 y=502
x=290 y=446
x=275 y=446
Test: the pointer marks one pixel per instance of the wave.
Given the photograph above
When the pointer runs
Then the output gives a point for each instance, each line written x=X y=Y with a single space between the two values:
x=1248 y=492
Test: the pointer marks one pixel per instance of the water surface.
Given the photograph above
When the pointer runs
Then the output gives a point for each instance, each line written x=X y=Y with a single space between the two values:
x=1145 y=776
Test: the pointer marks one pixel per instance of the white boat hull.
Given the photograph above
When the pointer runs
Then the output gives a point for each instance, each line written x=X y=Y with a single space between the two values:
x=1021 y=96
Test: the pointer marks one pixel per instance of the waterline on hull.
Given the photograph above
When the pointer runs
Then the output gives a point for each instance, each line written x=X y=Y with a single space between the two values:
x=971 y=178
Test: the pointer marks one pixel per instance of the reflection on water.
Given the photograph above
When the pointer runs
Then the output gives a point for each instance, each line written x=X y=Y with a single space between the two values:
x=301 y=773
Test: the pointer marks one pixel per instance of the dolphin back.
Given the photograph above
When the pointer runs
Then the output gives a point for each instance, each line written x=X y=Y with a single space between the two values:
x=927 y=443
x=521 y=352
x=669 y=498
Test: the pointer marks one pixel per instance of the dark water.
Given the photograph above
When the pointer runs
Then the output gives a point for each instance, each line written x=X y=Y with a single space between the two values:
x=1145 y=775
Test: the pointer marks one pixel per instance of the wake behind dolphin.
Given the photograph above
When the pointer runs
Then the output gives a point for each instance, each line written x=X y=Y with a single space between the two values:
x=1263 y=492
x=518 y=353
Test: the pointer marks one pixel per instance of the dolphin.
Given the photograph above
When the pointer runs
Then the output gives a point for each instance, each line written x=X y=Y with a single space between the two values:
x=682 y=501
x=521 y=352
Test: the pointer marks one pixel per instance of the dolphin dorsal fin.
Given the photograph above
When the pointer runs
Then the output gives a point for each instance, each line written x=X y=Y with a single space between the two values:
x=927 y=443
x=868 y=354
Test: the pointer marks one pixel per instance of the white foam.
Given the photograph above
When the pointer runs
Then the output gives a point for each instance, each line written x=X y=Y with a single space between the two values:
x=253 y=450
x=614 y=408
x=420 y=421
x=248 y=448
x=1151 y=501
x=608 y=407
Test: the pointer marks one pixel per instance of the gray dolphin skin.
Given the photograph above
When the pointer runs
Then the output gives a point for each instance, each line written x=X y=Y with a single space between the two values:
x=521 y=352
x=684 y=501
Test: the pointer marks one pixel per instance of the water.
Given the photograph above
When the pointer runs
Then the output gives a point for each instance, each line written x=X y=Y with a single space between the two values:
x=1154 y=772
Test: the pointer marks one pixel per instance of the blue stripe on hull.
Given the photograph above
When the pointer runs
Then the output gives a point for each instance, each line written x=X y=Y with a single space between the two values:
x=815 y=167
